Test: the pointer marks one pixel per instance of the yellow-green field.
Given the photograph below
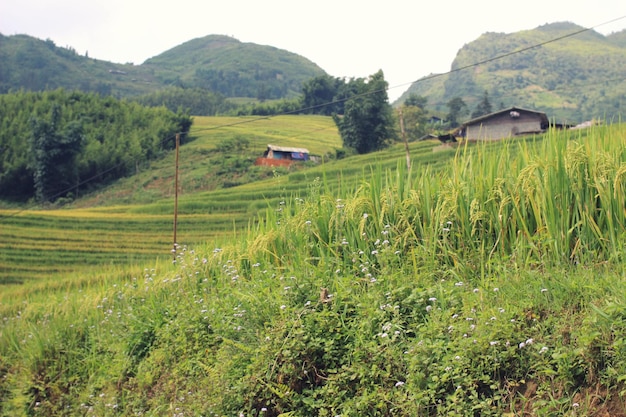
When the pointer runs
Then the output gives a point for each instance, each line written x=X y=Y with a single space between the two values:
x=487 y=281
x=132 y=221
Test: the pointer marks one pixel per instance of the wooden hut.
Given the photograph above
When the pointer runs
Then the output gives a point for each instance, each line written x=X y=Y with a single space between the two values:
x=282 y=156
x=502 y=124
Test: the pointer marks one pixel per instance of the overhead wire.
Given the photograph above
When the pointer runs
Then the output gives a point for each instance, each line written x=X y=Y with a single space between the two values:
x=514 y=52
x=355 y=96
x=428 y=77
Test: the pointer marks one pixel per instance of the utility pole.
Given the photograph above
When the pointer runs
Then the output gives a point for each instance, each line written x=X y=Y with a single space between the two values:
x=174 y=249
x=406 y=142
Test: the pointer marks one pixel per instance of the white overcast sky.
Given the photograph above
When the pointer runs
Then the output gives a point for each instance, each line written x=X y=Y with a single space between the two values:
x=407 y=39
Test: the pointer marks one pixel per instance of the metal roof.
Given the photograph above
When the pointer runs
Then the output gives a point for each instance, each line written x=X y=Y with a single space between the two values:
x=543 y=116
x=287 y=149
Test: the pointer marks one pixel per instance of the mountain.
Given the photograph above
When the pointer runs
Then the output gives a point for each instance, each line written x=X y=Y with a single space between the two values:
x=219 y=63
x=31 y=64
x=574 y=78
x=225 y=65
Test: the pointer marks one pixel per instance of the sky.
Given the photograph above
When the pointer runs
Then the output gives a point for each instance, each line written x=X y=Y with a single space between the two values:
x=406 y=39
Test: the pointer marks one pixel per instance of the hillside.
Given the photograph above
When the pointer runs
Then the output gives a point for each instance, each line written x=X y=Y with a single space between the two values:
x=225 y=65
x=459 y=291
x=573 y=79
x=221 y=192
x=31 y=64
x=218 y=63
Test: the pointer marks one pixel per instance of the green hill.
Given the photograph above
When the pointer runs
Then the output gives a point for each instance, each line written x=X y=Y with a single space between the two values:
x=31 y=64
x=573 y=79
x=217 y=63
x=224 y=65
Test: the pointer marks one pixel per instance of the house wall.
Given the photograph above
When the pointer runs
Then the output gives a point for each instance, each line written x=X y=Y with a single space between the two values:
x=270 y=162
x=503 y=126
x=300 y=156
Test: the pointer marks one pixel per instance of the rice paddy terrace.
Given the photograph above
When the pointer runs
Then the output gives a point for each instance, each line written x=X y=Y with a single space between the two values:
x=131 y=222
x=484 y=281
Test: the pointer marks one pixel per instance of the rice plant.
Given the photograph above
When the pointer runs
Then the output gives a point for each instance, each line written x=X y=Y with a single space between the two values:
x=492 y=287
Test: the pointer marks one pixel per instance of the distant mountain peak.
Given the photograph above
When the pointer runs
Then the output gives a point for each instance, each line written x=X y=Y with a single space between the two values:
x=219 y=63
x=570 y=78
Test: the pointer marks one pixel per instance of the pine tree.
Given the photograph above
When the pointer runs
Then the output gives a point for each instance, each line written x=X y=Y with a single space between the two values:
x=484 y=107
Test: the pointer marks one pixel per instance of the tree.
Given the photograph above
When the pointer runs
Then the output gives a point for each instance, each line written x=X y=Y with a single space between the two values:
x=61 y=139
x=320 y=95
x=415 y=121
x=417 y=101
x=456 y=109
x=53 y=154
x=484 y=107
x=367 y=122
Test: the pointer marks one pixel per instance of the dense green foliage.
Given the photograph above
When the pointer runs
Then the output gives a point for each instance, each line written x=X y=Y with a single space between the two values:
x=219 y=64
x=573 y=79
x=53 y=154
x=327 y=95
x=493 y=288
x=269 y=108
x=413 y=120
x=54 y=141
x=193 y=101
x=30 y=64
x=232 y=68
x=483 y=107
x=366 y=124
x=456 y=110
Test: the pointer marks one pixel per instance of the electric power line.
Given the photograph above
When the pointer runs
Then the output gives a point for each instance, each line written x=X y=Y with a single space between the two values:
x=301 y=110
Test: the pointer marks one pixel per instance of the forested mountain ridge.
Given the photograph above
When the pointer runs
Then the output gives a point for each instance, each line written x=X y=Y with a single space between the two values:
x=28 y=63
x=227 y=66
x=217 y=63
x=572 y=79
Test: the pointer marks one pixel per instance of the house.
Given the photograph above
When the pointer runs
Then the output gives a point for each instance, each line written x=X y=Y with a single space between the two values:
x=282 y=156
x=502 y=124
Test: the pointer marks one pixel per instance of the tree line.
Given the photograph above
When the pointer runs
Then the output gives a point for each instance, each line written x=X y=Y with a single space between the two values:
x=362 y=113
x=195 y=101
x=52 y=142
x=359 y=107
x=58 y=143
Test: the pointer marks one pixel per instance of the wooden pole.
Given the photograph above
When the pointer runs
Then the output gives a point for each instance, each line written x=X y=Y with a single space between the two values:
x=406 y=142
x=176 y=195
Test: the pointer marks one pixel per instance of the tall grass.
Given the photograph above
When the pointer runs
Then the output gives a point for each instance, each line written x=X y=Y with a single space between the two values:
x=489 y=288
x=548 y=201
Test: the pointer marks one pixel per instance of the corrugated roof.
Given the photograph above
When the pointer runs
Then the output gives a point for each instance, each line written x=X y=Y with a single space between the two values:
x=287 y=149
x=543 y=116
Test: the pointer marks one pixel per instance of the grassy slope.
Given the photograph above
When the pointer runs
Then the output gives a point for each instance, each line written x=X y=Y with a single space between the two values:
x=371 y=305
x=33 y=64
x=119 y=226
x=132 y=221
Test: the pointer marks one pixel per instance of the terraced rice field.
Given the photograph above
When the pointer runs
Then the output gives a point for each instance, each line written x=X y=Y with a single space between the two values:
x=40 y=244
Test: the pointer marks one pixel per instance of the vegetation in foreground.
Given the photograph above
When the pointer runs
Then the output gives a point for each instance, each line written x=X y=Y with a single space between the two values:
x=493 y=288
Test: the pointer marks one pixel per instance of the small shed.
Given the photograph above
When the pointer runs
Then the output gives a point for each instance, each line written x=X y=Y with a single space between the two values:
x=505 y=123
x=282 y=156
x=284 y=152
